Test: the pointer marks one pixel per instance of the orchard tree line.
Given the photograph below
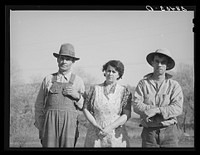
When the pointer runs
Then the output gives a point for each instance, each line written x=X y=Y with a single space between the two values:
x=23 y=96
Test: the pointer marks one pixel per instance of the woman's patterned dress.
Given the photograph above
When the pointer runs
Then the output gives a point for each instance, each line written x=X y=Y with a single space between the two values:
x=106 y=108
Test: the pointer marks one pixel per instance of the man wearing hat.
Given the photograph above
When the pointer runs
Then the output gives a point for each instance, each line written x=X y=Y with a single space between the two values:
x=58 y=101
x=158 y=100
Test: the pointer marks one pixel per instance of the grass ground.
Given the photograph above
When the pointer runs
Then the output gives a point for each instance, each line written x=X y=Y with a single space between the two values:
x=133 y=131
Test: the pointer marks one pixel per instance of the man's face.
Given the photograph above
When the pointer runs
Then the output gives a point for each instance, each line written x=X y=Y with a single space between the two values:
x=65 y=63
x=159 y=64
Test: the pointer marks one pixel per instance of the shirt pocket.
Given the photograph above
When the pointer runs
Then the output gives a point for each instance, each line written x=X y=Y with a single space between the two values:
x=165 y=99
x=54 y=90
x=149 y=99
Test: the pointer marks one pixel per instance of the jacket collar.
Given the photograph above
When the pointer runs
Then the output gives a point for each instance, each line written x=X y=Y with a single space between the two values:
x=149 y=75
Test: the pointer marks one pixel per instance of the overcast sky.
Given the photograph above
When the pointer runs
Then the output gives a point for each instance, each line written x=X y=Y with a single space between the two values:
x=99 y=36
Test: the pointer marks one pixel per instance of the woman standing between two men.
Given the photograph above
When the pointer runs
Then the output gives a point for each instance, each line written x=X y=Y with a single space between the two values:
x=157 y=99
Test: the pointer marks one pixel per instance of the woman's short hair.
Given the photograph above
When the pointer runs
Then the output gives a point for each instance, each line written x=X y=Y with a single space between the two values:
x=118 y=65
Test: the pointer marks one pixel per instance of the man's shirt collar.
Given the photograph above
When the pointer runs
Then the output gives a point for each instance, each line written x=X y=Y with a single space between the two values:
x=167 y=76
x=66 y=76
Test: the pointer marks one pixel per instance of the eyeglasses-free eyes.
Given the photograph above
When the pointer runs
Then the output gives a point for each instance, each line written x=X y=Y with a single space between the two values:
x=163 y=62
x=65 y=58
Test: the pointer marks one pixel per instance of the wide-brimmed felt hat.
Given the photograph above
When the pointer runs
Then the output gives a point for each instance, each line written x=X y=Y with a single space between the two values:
x=163 y=52
x=66 y=49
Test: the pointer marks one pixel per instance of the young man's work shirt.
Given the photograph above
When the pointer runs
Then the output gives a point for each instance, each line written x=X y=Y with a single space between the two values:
x=78 y=84
x=168 y=97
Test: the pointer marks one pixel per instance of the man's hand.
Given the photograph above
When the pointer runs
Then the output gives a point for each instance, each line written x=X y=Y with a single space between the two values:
x=69 y=90
x=151 y=112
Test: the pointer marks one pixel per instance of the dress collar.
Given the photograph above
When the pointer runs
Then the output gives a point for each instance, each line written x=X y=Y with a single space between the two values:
x=112 y=89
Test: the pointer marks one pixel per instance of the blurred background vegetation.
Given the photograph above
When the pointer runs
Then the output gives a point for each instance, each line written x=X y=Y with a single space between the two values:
x=22 y=99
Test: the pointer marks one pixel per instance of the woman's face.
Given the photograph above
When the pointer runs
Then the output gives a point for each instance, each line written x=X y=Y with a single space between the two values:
x=111 y=74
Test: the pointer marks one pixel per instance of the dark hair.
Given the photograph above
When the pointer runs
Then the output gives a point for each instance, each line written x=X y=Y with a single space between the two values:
x=118 y=65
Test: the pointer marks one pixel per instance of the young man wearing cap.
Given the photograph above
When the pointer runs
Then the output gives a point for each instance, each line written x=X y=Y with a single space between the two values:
x=59 y=98
x=158 y=100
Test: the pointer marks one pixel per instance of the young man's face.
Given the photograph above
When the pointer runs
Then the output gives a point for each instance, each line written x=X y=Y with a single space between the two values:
x=159 y=64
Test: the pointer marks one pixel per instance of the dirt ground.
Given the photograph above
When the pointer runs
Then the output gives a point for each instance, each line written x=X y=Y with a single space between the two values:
x=135 y=143
x=133 y=131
